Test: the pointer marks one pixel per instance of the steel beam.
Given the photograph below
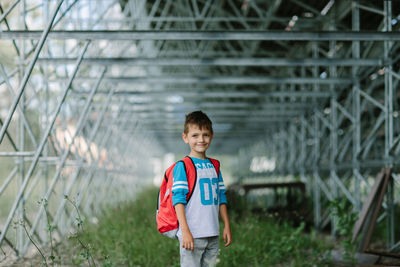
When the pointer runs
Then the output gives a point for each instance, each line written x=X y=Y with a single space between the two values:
x=218 y=80
x=389 y=99
x=224 y=94
x=207 y=35
x=256 y=61
x=356 y=109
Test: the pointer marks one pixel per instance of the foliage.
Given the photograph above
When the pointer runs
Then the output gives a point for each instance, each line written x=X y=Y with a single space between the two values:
x=86 y=249
x=50 y=230
x=22 y=223
x=127 y=236
x=342 y=210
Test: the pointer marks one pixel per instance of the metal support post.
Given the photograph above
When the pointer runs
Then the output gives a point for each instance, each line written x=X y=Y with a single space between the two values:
x=333 y=155
x=20 y=213
x=303 y=154
x=334 y=124
x=45 y=116
x=356 y=107
x=291 y=144
x=389 y=123
x=316 y=187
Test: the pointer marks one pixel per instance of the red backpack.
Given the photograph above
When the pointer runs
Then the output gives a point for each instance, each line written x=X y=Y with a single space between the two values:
x=167 y=222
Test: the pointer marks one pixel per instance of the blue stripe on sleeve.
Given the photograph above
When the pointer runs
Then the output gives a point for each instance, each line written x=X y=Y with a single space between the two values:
x=222 y=196
x=180 y=187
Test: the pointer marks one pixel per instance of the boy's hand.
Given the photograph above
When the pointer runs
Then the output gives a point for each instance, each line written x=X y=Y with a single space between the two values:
x=187 y=240
x=227 y=235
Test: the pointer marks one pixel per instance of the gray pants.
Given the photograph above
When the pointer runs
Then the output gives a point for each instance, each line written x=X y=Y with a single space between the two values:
x=205 y=252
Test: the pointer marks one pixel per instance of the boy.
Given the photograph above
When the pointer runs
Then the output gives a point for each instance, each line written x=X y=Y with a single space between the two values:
x=198 y=219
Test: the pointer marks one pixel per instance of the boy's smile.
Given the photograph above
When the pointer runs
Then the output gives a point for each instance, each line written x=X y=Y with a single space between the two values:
x=198 y=139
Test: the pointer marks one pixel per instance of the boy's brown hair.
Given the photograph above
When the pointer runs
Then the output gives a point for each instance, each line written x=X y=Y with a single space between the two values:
x=198 y=118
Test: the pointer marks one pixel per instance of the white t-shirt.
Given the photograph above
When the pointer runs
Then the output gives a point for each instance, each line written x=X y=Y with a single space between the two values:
x=203 y=207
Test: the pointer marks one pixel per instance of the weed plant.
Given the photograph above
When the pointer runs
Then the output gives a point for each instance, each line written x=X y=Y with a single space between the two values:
x=342 y=209
x=86 y=253
x=127 y=236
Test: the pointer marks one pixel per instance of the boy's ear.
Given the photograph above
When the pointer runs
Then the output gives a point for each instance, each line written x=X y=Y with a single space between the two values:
x=185 y=138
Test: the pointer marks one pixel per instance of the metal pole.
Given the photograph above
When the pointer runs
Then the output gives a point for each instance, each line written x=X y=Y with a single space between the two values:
x=46 y=115
x=389 y=123
x=356 y=107
x=21 y=144
x=333 y=121
x=333 y=154
x=208 y=35
x=317 y=190
x=238 y=61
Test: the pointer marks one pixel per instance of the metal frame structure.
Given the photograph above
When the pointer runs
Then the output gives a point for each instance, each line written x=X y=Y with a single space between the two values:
x=91 y=91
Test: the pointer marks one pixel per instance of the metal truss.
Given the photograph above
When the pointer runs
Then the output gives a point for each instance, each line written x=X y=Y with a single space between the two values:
x=90 y=91
x=338 y=150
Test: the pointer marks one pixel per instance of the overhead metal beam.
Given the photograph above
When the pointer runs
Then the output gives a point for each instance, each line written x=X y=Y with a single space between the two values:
x=218 y=61
x=198 y=19
x=208 y=35
x=218 y=80
x=221 y=119
x=217 y=105
x=230 y=94
x=232 y=113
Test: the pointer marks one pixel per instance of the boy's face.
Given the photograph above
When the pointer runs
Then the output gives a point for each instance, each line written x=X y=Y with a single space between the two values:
x=198 y=139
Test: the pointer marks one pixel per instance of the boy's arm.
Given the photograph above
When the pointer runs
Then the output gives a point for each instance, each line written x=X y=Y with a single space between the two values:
x=223 y=211
x=187 y=238
x=227 y=235
x=180 y=189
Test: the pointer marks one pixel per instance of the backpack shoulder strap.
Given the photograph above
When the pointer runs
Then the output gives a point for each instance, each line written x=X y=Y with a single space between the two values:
x=169 y=171
x=216 y=164
x=191 y=174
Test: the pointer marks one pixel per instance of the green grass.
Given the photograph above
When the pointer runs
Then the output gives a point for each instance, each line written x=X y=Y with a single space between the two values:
x=127 y=236
x=263 y=242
